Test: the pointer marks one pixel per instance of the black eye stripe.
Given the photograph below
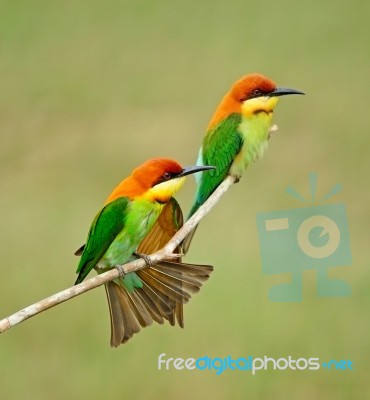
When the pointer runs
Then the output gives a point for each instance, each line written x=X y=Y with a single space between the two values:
x=165 y=177
x=257 y=93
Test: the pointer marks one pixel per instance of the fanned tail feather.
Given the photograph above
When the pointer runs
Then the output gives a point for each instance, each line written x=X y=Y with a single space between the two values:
x=123 y=322
x=166 y=286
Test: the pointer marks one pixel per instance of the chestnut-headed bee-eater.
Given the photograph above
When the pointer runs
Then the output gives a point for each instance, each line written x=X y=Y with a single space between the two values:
x=237 y=134
x=139 y=215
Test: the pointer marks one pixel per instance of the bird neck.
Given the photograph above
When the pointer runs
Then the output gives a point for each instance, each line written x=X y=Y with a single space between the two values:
x=258 y=105
x=129 y=187
x=255 y=127
x=227 y=107
x=163 y=192
x=248 y=108
x=134 y=189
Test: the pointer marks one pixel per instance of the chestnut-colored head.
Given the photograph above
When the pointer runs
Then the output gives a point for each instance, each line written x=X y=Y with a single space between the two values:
x=155 y=171
x=251 y=86
x=157 y=179
x=249 y=95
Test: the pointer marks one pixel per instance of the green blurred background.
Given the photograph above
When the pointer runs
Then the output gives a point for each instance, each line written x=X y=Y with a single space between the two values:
x=89 y=90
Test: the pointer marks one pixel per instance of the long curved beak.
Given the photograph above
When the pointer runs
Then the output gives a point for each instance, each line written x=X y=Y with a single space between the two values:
x=284 y=91
x=194 y=169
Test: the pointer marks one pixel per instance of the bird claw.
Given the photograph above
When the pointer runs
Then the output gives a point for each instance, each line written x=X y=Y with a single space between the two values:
x=146 y=258
x=121 y=270
x=236 y=178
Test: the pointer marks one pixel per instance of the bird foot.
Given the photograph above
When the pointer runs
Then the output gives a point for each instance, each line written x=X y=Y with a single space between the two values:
x=146 y=258
x=121 y=270
x=236 y=178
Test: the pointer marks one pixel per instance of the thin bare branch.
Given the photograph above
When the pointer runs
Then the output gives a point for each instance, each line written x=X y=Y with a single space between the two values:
x=164 y=254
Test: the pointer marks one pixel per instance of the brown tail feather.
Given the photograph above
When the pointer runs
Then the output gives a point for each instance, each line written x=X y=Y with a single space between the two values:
x=123 y=322
x=185 y=245
x=172 y=289
x=166 y=287
x=150 y=305
x=176 y=282
x=179 y=313
x=179 y=279
x=161 y=301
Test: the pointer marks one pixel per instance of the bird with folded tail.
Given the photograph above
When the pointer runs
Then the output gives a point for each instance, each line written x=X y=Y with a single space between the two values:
x=237 y=134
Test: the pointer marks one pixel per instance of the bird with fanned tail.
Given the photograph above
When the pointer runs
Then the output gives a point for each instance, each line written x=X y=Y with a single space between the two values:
x=139 y=217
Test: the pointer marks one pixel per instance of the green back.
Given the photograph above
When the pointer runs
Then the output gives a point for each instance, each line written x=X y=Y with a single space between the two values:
x=106 y=226
x=220 y=146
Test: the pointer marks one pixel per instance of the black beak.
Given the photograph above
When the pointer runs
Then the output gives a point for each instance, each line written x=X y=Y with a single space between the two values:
x=193 y=170
x=284 y=91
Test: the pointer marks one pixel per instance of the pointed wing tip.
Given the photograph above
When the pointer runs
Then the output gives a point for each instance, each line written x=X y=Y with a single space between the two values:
x=79 y=251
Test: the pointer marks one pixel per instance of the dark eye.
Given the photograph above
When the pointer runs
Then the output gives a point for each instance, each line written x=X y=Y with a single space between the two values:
x=166 y=176
x=256 y=92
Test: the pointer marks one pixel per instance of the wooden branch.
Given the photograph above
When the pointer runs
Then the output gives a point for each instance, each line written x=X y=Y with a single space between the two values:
x=164 y=254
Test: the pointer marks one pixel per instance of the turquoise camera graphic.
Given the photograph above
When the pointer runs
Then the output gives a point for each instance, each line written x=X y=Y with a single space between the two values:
x=315 y=237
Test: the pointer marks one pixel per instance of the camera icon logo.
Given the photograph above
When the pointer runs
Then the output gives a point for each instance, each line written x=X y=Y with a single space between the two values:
x=308 y=238
x=328 y=227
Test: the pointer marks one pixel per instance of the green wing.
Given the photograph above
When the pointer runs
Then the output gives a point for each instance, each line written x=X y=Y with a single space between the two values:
x=220 y=146
x=105 y=227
